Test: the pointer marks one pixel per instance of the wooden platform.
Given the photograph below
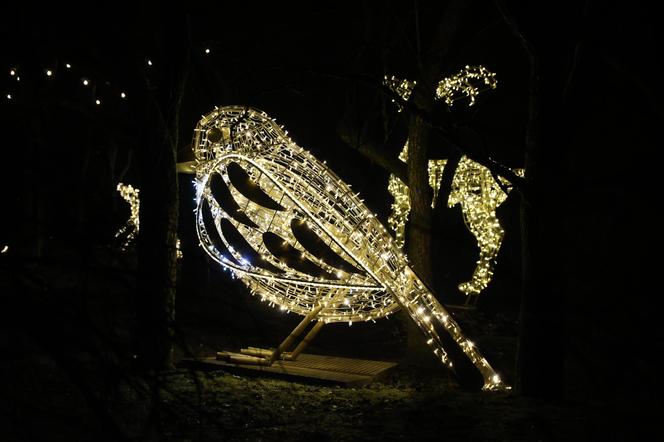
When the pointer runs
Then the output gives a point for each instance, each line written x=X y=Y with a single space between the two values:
x=346 y=371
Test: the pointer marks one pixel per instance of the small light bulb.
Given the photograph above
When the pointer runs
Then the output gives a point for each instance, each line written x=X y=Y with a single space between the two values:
x=18 y=78
x=49 y=72
x=68 y=66
x=9 y=96
x=85 y=82
x=12 y=72
x=123 y=95
x=207 y=50
x=149 y=62
x=98 y=102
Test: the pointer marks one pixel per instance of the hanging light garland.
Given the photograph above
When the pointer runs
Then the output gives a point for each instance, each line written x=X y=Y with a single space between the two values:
x=473 y=185
x=298 y=236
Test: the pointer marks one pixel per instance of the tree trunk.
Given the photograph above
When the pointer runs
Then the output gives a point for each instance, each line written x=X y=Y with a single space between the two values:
x=157 y=260
x=540 y=353
x=419 y=226
x=418 y=238
x=157 y=264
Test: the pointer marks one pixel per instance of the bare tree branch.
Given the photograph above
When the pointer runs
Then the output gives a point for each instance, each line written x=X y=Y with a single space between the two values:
x=449 y=133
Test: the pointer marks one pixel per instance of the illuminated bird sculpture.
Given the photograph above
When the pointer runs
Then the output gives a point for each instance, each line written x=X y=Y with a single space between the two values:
x=299 y=237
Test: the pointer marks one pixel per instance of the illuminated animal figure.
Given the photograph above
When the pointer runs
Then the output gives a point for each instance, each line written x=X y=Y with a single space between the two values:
x=297 y=236
x=473 y=185
x=479 y=195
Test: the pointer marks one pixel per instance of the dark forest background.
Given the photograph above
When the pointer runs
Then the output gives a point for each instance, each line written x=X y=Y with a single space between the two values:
x=72 y=302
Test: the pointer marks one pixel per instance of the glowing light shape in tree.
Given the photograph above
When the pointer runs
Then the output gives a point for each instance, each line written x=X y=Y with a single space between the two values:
x=469 y=82
x=130 y=229
x=298 y=236
x=473 y=185
x=132 y=226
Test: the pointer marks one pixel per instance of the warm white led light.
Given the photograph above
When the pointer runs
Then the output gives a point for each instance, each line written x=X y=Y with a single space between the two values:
x=132 y=226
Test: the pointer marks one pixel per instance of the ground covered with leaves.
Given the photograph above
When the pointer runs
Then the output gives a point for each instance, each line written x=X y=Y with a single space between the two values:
x=186 y=405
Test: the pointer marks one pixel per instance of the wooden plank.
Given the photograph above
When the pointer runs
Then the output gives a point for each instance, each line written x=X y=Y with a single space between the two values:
x=347 y=371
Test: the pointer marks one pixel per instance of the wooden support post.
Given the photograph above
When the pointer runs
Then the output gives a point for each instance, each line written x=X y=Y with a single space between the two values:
x=303 y=344
x=254 y=351
x=294 y=334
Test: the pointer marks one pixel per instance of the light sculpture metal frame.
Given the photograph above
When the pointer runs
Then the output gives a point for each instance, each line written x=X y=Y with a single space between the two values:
x=299 y=237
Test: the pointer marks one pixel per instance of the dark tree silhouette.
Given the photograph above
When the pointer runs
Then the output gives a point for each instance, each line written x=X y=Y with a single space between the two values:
x=157 y=262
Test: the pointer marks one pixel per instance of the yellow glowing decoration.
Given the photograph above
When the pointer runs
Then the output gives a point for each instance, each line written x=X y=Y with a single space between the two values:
x=132 y=226
x=402 y=87
x=130 y=229
x=297 y=236
x=473 y=186
x=468 y=83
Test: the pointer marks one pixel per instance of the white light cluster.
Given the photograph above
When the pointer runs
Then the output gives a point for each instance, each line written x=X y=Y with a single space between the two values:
x=469 y=82
x=313 y=197
x=52 y=72
x=132 y=226
x=473 y=185
x=402 y=87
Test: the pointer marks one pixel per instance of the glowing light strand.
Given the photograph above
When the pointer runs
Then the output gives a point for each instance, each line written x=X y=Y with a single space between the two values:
x=132 y=226
x=469 y=82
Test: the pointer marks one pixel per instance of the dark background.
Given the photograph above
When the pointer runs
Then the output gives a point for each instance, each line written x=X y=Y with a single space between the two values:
x=63 y=155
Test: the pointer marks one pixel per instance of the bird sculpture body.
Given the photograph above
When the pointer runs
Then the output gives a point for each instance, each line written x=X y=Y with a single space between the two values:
x=299 y=237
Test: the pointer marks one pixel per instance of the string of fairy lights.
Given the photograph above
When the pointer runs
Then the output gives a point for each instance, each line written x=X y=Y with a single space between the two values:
x=304 y=192
x=473 y=185
x=101 y=90
x=130 y=229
